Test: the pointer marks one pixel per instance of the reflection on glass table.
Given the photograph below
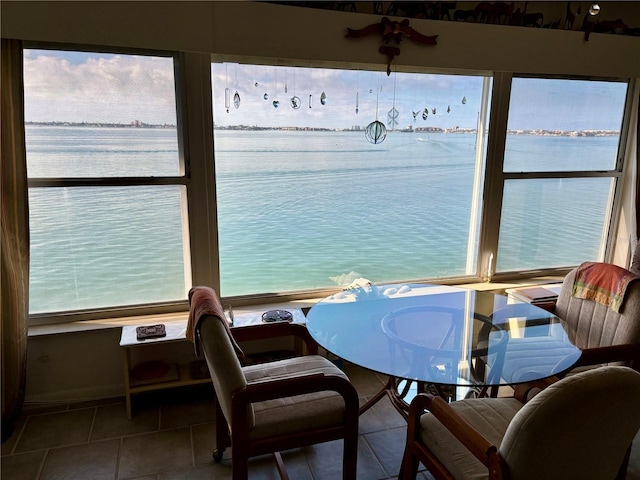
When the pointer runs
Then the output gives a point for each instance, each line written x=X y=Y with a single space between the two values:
x=454 y=339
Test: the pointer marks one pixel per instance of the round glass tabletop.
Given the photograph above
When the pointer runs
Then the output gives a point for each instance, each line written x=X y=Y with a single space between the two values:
x=443 y=335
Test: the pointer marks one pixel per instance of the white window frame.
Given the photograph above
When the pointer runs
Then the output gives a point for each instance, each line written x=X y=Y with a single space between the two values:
x=197 y=160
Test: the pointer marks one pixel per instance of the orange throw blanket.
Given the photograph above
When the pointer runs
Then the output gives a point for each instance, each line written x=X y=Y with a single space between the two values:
x=603 y=283
x=204 y=301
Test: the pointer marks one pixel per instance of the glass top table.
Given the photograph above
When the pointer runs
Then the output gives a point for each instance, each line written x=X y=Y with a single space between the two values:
x=441 y=335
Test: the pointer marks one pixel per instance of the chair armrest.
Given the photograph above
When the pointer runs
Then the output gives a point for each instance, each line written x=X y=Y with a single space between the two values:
x=474 y=441
x=629 y=353
x=522 y=391
x=271 y=388
x=274 y=330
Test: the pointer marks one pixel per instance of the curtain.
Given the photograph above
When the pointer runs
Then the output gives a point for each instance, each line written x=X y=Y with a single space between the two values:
x=626 y=240
x=637 y=95
x=14 y=278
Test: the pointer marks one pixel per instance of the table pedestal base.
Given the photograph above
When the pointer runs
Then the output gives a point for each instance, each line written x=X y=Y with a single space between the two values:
x=401 y=397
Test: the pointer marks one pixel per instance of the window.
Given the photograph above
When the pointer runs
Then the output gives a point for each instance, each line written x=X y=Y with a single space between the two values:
x=306 y=201
x=473 y=174
x=561 y=165
x=105 y=181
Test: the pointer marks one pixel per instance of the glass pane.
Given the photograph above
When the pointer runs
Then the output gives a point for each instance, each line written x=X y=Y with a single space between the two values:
x=549 y=223
x=305 y=201
x=563 y=125
x=99 y=115
x=91 y=247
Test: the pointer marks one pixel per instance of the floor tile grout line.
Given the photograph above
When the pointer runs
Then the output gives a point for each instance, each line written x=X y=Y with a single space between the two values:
x=192 y=444
x=93 y=421
x=117 y=472
x=363 y=438
x=15 y=445
x=44 y=460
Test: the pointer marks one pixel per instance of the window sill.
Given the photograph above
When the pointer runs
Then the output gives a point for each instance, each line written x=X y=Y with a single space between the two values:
x=109 y=323
x=103 y=324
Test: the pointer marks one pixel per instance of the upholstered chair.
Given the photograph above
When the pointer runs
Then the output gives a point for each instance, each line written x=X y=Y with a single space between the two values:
x=574 y=429
x=604 y=335
x=274 y=406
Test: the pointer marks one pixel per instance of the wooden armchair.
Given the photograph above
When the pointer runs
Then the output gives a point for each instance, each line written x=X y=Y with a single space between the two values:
x=279 y=405
x=573 y=429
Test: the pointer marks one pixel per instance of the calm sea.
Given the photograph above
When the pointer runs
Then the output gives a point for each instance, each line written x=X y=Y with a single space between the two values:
x=296 y=210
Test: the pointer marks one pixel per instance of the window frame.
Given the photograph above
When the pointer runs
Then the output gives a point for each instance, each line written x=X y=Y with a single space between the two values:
x=182 y=180
x=194 y=123
x=496 y=177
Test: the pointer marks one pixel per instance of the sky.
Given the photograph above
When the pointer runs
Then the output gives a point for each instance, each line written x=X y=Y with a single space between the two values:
x=111 y=88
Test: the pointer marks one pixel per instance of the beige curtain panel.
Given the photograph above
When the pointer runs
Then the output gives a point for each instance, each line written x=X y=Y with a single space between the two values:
x=14 y=279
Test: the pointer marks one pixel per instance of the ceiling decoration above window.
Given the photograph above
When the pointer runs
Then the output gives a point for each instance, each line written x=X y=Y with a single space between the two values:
x=391 y=30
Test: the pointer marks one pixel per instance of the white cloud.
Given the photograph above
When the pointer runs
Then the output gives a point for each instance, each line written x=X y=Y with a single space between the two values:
x=104 y=88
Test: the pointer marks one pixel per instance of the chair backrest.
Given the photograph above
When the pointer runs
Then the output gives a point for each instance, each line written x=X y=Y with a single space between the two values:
x=580 y=427
x=224 y=366
x=597 y=325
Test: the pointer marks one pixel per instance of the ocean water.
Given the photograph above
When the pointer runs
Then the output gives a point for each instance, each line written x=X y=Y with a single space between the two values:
x=296 y=210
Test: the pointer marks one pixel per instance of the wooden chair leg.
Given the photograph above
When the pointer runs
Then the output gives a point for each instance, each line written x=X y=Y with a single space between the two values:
x=409 y=466
x=239 y=466
x=223 y=440
x=282 y=470
x=350 y=456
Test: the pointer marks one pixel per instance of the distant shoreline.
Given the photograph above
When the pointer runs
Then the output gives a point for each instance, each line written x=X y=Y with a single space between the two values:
x=410 y=129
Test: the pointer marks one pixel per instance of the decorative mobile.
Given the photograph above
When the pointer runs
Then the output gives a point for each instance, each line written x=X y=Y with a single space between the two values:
x=227 y=92
x=266 y=95
x=323 y=98
x=464 y=100
x=392 y=115
x=310 y=101
x=392 y=118
x=227 y=99
x=255 y=84
x=415 y=114
x=376 y=132
x=395 y=31
x=433 y=110
x=276 y=102
x=236 y=96
x=448 y=108
x=425 y=113
x=357 y=109
x=295 y=100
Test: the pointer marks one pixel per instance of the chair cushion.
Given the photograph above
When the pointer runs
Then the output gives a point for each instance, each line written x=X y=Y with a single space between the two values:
x=293 y=414
x=581 y=426
x=489 y=416
x=523 y=365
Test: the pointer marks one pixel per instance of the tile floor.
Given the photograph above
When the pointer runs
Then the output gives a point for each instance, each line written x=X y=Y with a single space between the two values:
x=171 y=437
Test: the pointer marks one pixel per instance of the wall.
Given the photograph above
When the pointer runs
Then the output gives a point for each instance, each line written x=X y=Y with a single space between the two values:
x=278 y=31
x=83 y=365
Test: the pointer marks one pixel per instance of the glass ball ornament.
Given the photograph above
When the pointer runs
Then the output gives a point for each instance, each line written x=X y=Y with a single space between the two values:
x=375 y=132
x=594 y=9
